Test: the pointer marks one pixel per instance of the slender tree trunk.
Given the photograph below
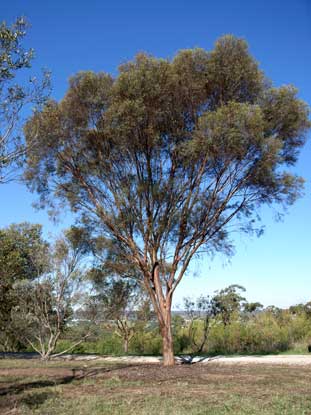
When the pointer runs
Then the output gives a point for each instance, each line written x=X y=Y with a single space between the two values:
x=167 y=340
x=162 y=307
x=126 y=345
x=168 y=349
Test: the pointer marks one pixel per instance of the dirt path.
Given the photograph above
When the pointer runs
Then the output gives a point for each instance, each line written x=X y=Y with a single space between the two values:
x=298 y=360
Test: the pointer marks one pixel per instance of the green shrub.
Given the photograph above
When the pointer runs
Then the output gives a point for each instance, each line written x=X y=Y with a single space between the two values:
x=146 y=343
x=110 y=344
x=262 y=333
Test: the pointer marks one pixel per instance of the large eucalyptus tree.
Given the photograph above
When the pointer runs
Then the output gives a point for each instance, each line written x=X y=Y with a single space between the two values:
x=168 y=156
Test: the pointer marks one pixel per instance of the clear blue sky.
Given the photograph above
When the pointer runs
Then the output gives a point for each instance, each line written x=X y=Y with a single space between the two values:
x=69 y=36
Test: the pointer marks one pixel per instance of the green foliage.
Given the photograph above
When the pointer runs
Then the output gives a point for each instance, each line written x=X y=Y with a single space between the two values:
x=301 y=309
x=12 y=54
x=40 y=284
x=261 y=333
x=261 y=337
x=227 y=302
x=147 y=343
x=115 y=298
x=64 y=344
x=252 y=307
x=22 y=252
x=199 y=314
x=110 y=345
x=23 y=256
x=120 y=301
x=14 y=98
x=160 y=160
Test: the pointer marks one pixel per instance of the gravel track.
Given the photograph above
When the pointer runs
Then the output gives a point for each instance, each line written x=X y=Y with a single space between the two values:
x=297 y=360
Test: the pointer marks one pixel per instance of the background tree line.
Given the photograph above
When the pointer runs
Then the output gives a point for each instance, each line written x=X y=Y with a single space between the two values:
x=54 y=300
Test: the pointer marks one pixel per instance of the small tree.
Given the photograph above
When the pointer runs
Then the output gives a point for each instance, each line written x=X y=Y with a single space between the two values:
x=122 y=302
x=252 y=308
x=23 y=254
x=199 y=310
x=46 y=305
x=165 y=157
x=14 y=97
x=301 y=309
x=228 y=302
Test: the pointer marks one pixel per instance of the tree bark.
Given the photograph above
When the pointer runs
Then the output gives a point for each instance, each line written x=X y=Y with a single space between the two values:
x=167 y=338
x=126 y=345
x=168 y=348
x=162 y=306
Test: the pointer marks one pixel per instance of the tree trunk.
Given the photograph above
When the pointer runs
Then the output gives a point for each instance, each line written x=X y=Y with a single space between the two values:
x=126 y=345
x=162 y=307
x=167 y=337
x=168 y=349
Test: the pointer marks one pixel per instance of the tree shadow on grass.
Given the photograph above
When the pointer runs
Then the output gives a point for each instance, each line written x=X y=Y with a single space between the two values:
x=10 y=403
x=35 y=395
x=21 y=387
x=34 y=400
x=77 y=374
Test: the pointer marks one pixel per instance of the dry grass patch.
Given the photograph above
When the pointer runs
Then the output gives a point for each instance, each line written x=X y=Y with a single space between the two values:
x=93 y=388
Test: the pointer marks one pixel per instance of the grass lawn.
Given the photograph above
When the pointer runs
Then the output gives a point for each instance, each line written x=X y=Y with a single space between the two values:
x=93 y=388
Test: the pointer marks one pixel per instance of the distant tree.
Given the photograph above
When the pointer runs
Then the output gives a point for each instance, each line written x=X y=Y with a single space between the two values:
x=199 y=310
x=301 y=309
x=46 y=305
x=308 y=309
x=121 y=303
x=120 y=296
x=296 y=309
x=167 y=157
x=228 y=302
x=23 y=254
x=276 y=311
x=252 y=307
x=15 y=97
